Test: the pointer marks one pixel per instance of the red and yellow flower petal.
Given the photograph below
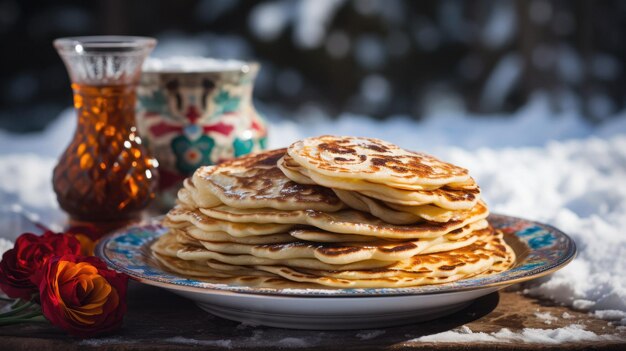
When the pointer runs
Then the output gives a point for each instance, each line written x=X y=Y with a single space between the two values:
x=82 y=296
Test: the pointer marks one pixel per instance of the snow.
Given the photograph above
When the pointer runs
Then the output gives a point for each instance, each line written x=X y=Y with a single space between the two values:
x=24 y=171
x=104 y=341
x=5 y=245
x=205 y=44
x=605 y=66
x=610 y=314
x=370 y=334
x=375 y=88
x=569 y=334
x=195 y=342
x=292 y=342
x=570 y=65
x=311 y=21
x=190 y=64
x=268 y=20
x=108 y=341
x=501 y=81
x=547 y=317
x=551 y=167
x=369 y=51
x=500 y=25
x=533 y=125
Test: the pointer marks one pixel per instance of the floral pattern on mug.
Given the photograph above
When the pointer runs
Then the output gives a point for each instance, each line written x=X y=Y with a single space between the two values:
x=225 y=103
x=191 y=154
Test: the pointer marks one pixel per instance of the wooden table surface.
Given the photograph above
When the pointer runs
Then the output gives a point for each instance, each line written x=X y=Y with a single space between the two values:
x=157 y=319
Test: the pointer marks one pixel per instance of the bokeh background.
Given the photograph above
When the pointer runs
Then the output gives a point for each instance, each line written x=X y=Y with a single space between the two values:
x=321 y=58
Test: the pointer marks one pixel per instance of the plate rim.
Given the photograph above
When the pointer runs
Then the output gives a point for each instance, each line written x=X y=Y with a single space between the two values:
x=224 y=289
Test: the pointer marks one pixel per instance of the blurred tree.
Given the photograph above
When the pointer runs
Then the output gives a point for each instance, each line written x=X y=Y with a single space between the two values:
x=325 y=56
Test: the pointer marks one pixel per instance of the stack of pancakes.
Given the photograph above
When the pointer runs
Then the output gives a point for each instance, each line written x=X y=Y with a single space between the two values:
x=339 y=212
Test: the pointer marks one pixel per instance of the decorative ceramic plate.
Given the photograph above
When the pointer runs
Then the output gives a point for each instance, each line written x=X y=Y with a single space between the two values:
x=540 y=249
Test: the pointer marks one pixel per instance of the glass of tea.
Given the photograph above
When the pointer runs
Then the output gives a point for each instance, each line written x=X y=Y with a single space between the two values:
x=106 y=176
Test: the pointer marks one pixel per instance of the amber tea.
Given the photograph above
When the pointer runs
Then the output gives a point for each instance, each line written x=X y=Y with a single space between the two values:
x=105 y=176
x=105 y=173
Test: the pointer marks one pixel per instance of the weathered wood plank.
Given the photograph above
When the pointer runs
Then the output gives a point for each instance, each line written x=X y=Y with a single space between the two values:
x=158 y=320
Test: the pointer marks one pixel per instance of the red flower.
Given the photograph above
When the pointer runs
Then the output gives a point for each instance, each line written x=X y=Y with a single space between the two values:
x=87 y=236
x=81 y=295
x=19 y=264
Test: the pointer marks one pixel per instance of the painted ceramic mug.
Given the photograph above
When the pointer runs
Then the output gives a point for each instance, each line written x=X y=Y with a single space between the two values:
x=197 y=111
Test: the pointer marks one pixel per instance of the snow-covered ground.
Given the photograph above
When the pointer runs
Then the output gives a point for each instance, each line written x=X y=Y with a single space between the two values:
x=570 y=334
x=554 y=168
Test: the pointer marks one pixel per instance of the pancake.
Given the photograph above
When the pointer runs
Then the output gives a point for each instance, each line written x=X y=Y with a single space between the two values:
x=392 y=281
x=439 y=264
x=504 y=258
x=167 y=245
x=184 y=239
x=419 y=270
x=255 y=181
x=195 y=269
x=179 y=217
x=397 y=214
x=363 y=203
x=486 y=256
x=458 y=197
x=374 y=160
x=231 y=269
x=345 y=253
x=235 y=270
x=191 y=197
x=185 y=199
x=345 y=221
x=291 y=168
x=191 y=253
x=259 y=280
x=198 y=234
x=322 y=236
x=164 y=251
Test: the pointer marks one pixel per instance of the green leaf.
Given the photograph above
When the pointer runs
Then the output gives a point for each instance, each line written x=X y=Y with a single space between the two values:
x=225 y=103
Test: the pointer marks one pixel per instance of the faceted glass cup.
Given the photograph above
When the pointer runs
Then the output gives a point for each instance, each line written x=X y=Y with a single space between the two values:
x=106 y=176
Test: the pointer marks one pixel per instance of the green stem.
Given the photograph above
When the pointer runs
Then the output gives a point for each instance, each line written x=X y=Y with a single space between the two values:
x=36 y=318
x=2 y=298
x=28 y=315
x=17 y=303
x=15 y=308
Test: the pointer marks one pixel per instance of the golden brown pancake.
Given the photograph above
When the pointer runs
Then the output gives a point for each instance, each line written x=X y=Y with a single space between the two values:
x=255 y=181
x=348 y=252
x=374 y=160
x=419 y=270
x=179 y=217
x=455 y=196
x=195 y=233
x=343 y=222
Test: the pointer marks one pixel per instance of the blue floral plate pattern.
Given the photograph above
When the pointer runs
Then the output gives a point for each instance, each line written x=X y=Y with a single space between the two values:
x=540 y=249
